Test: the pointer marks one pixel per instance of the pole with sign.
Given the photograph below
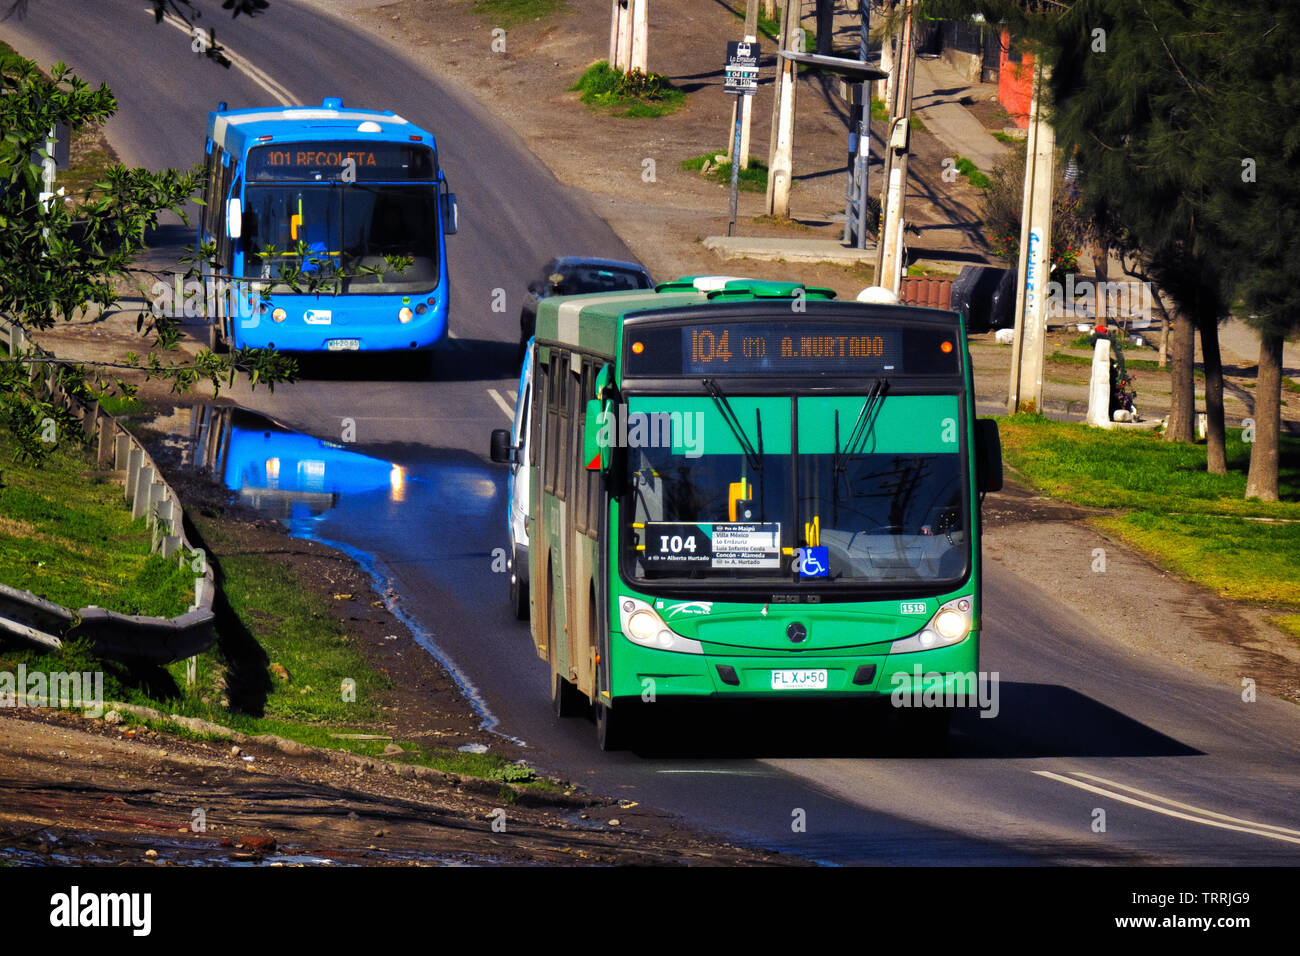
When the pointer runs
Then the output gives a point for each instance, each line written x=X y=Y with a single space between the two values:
x=740 y=78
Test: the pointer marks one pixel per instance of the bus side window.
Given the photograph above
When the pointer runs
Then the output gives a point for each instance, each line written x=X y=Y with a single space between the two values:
x=210 y=210
x=537 y=392
x=224 y=244
x=579 y=384
x=591 y=498
x=552 y=422
x=563 y=428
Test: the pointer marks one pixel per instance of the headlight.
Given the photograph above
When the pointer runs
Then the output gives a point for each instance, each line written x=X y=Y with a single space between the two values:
x=641 y=624
x=404 y=316
x=279 y=315
x=950 y=625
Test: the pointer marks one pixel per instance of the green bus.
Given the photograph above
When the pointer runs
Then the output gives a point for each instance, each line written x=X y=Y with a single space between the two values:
x=746 y=489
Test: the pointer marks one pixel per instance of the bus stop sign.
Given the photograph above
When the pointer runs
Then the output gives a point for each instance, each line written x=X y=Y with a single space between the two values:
x=740 y=76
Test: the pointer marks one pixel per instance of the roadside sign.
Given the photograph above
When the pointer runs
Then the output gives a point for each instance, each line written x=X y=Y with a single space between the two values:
x=740 y=76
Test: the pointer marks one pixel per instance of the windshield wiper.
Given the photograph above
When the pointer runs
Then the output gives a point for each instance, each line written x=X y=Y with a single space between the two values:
x=754 y=457
x=861 y=428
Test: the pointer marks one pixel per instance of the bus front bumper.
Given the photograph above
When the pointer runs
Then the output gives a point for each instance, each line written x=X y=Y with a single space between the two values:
x=945 y=670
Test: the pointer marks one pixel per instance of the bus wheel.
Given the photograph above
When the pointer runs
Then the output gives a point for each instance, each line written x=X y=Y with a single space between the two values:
x=518 y=588
x=215 y=342
x=617 y=729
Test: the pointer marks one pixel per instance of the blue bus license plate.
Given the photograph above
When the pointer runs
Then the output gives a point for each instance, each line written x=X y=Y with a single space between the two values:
x=799 y=680
x=343 y=345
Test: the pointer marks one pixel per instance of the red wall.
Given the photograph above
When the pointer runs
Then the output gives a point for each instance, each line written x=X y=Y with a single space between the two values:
x=1015 y=84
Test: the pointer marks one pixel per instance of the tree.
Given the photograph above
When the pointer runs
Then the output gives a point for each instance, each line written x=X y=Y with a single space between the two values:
x=1165 y=102
x=1258 y=207
x=1002 y=204
x=70 y=254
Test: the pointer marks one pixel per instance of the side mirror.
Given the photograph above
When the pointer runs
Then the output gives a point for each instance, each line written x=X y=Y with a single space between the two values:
x=502 y=452
x=234 y=218
x=988 y=455
x=450 y=214
x=596 y=436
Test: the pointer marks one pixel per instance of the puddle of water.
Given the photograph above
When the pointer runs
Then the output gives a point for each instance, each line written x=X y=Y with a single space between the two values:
x=327 y=492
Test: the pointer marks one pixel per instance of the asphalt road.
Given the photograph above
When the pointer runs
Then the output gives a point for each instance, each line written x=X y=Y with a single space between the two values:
x=1184 y=770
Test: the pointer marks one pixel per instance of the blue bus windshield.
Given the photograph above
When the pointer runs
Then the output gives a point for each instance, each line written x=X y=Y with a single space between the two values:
x=345 y=227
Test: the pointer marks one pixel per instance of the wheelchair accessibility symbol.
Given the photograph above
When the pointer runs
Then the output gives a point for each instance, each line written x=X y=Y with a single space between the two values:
x=813 y=562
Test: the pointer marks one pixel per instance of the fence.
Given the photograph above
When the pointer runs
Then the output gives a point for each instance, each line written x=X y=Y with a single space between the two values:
x=124 y=637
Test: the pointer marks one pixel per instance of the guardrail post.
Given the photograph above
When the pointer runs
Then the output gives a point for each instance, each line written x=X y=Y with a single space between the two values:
x=105 y=449
x=143 y=480
x=90 y=418
x=157 y=493
x=134 y=460
x=121 y=450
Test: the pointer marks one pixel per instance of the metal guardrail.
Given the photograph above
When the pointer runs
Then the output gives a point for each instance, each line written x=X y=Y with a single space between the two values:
x=125 y=637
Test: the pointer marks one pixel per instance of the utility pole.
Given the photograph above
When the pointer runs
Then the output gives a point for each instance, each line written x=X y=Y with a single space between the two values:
x=746 y=103
x=640 y=35
x=1025 y=385
x=620 y=35
x=782 y=142
x=889 y=248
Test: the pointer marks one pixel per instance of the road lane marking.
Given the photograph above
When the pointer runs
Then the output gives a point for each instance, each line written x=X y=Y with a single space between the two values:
x=502 y=403
x=729 y=773
x=1252 y=828
x=241 y=63
x=1185 y=806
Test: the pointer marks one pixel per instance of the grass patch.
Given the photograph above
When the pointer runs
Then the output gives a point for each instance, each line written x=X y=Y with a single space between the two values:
x=1007 y=138
x=972 y=173
x=633 y=94
x=752 y=179
x=1132 y=364
x=275 y=622
x=66 y=534
x=511 y=13
x=1291 y=385
x=1157 y=496
x=1290 y=623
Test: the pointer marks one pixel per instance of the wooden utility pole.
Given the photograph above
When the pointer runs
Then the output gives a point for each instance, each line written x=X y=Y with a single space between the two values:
x=620 y=34
x=746 y=103
x=640 y=35
x=1025 y=385
x=782 y=143
x=893 y=191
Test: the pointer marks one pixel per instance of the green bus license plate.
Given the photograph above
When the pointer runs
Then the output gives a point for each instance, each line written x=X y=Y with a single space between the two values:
x=799 y=680
x=343 y=345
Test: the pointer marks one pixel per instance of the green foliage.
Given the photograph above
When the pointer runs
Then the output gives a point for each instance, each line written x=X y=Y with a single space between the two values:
x=1003 y=202
x=753 y=178
x=972 y=173
x=633 y=94
x=70 y=255
x=511 y=13
x=1158 y=496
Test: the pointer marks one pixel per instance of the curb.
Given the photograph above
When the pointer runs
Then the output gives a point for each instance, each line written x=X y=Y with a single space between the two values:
x=124 y=637
x=524 y=796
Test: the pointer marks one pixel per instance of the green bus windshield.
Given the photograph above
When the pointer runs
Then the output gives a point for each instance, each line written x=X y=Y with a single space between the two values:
x=879 y=485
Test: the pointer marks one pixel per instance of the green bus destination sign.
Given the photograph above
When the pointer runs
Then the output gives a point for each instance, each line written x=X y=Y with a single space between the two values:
x=370 y=162
x=790 y=347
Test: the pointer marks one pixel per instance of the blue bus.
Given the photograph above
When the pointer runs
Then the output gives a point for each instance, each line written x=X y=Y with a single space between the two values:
x=331 y=193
